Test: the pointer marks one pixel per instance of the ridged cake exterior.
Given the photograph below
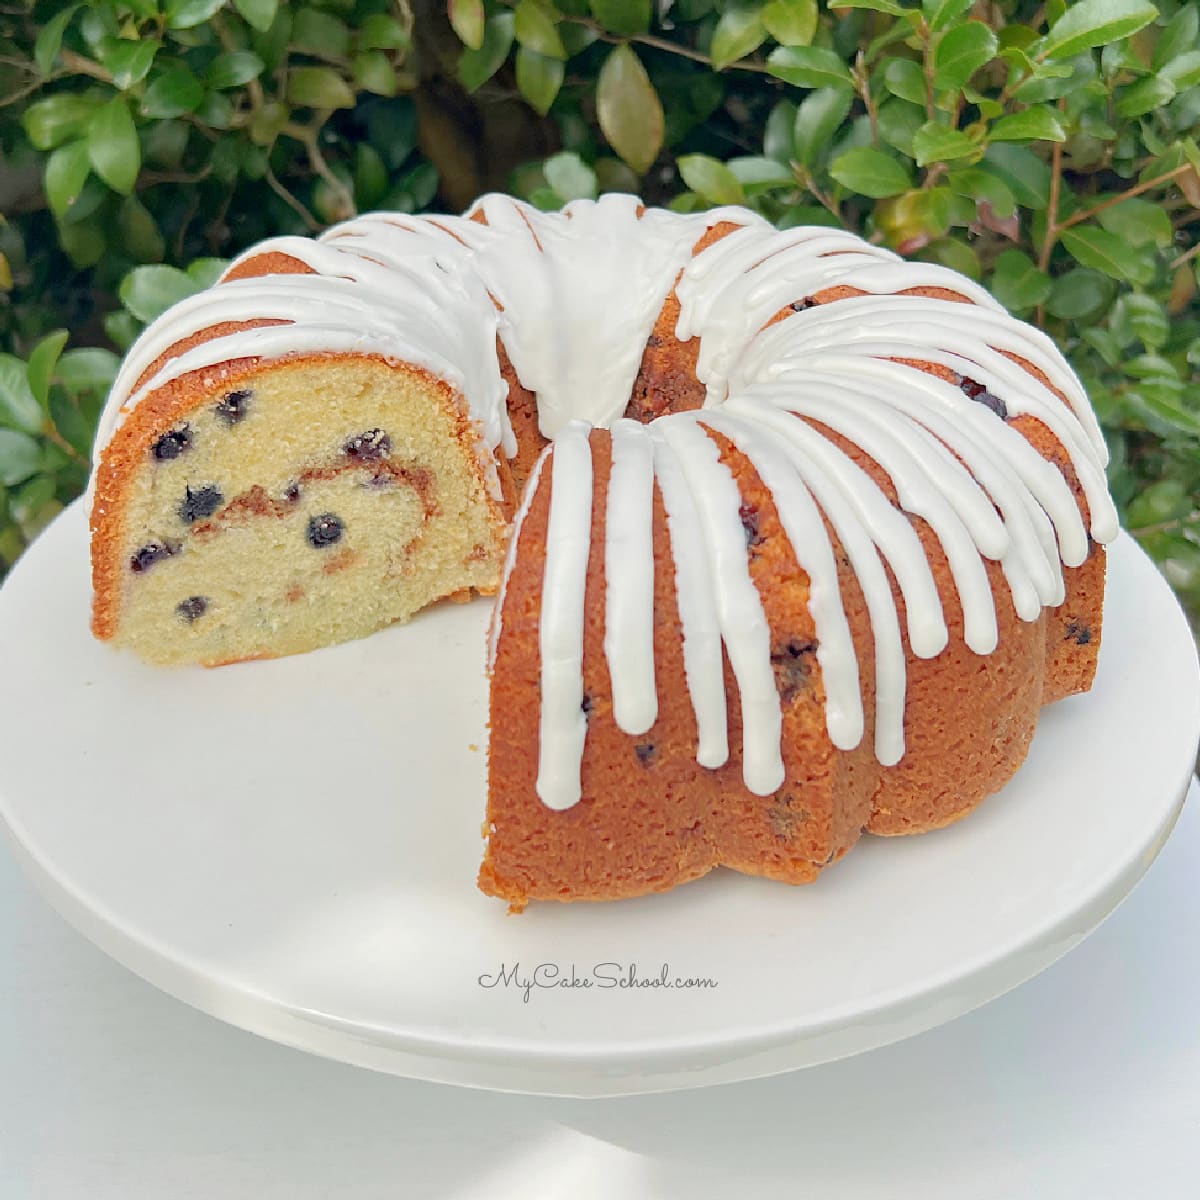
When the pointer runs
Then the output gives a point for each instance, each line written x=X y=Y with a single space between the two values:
x=800 y=536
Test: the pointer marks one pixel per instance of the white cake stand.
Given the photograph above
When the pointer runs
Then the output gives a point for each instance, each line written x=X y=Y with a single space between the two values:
x=291 y=846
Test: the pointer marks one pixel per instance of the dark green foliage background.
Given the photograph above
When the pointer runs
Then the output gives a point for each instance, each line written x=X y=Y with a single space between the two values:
x=1046 y=149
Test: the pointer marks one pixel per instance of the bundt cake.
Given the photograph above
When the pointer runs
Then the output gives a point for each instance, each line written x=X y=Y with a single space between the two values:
x=792 y=538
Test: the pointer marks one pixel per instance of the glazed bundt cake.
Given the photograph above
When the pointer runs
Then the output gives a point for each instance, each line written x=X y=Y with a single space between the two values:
x=800 y=536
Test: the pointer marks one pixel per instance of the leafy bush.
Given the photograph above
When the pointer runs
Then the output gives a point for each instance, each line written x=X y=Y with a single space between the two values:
x=1046 y=149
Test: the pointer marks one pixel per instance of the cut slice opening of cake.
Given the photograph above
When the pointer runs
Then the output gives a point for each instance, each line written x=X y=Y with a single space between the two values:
x=271 y=508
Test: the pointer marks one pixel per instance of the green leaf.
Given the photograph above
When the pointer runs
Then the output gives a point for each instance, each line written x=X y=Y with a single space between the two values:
x=318 y=87
x=961 y=52
x=939 y=143
x=1138 y=222
x=83 y=242
x=48 y=123
x=467 y=18
x=898 y=124
x=1026 y=175
x=629 y=110
x=778 y=140
x=739 y=32
x=1089 y=23
x=476 y=67
x=978 y=184
x=49 y=39
x=757 y=175
x=1183 y=72
x=536 y=30
x=320 y=34
x=570 y=176
x=941 y=14
x=259 y=14
x=67 y=170
x=884 y=6
x=216 y=110
x=1138 y=318
x=1177 y=37
x=1017 y=283
x=1161 y=501
x=791 y=22
x=149 y=291
x=19 y=408
x=41 y=365
x=626 y=17
x=233 y=69
x=175 y=92
x=204 y=272
x=820 y=113
x=1039 y=124
x=372 y=71
x=577 y=38
x=121 y=328
x=871 y=172
x=88 y=370
x=917 y=217
x=380 y=31
x=129 y=61
x=809 y=66
x=139 y=233
x=539 y=78
x=956 y=255
x=1163 y=411
x=1150 y=92
x=421 y=183
x=20 y=457
x=613 y=175
x=711 y=179
x=113 y=147
x=904 y=78
x=187 y=14
x=1080 y=294
x=1105 y=252
x=71 y=422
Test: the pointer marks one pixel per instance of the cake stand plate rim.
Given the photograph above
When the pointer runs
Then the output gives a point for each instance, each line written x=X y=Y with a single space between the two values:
x=614 y=1066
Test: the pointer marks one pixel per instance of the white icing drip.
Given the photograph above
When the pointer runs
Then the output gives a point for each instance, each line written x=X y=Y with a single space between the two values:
x=629 y=578
x=801 y=521
x=510 y=560
x=944 y=409
x=866 y=505
x=743 y=623
x=568 y=543
x=890 y=663
x=1032 y=563
x=928 y=494
x=920 y=328
x=703 y=661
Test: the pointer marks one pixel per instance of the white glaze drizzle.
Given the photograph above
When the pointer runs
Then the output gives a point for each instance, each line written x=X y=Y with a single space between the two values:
x=700 y=628
x=437 y=291
x=804 y=529
x=629 y=578
x=743 y=623
x=563 y=724
x=496 y=625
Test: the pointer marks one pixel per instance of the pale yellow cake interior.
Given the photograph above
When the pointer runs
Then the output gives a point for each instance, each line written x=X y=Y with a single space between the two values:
x=412 y=525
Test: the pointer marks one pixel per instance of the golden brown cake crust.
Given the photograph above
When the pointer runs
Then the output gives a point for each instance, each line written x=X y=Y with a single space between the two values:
x=650 y=817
